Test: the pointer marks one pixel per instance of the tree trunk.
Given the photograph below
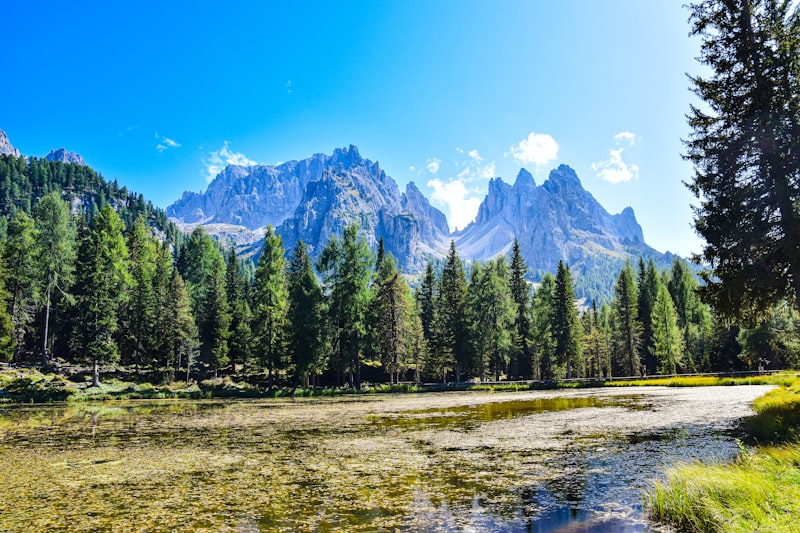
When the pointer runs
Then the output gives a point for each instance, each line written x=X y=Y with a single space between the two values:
x=45 y=358
x=96 y=374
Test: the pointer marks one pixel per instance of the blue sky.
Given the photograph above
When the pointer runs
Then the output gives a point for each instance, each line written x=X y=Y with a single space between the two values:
x=444 y=93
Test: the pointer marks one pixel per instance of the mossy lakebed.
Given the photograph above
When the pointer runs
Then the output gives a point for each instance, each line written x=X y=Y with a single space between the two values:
x=436 y=462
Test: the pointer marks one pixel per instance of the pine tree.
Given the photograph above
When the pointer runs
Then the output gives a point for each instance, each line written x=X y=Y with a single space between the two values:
x=627 y=335
x=6 y=325
x=103 y=279
x=425 y=297
x=20 y=261
x=491 y=312
x=667 y=339
x=743 y=147
x=566 y=326
x=451 y=338
x=521 y=364
x=270 y=302
x=304 y=316
x=138 y=319
x=239 y=343
x=215 y=319
x=55 y=255
x=346 y=268
x=544 y=343
x=183 y=341
x=393 y=308
x=647 y=283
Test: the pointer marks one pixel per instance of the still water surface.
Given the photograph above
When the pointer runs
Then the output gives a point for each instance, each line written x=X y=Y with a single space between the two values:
x=554 y=461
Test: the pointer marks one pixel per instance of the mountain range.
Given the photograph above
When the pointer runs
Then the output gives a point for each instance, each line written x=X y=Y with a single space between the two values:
x=315 y=198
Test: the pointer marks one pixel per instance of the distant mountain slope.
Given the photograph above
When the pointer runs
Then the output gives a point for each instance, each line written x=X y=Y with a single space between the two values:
x=558 y=220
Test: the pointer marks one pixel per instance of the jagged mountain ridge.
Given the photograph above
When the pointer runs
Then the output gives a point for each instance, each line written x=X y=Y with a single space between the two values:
x=313 y=200
x=558 y=220
x=6 y=147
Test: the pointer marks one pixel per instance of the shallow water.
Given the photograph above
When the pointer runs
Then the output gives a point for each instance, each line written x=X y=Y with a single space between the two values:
x=557 y=461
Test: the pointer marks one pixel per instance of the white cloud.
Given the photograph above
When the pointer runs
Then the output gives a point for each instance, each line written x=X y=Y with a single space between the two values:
x=218 y=160
x=538 y=148
x=615 y=169
x=475 y=156
x=460 y=202
x=412 y=168
x=488 y=171
x=433 y=165
x=165 y=143
x=627 y=136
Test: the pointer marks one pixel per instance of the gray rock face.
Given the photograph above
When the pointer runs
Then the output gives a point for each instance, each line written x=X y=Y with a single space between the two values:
x=353 y=189
x=65 y=157
x=558 y=220
x=316 y=198
x=5 y=146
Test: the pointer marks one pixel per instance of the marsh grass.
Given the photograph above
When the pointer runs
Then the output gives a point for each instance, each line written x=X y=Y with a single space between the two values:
x=760 y=491
x=783 y=379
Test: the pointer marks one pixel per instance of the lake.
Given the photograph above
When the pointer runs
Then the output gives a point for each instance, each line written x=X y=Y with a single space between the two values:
x=538 y=461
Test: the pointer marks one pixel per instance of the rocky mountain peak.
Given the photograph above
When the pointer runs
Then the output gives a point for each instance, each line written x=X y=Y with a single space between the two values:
x=525 y=181
x=5 y=145
x=64 y=156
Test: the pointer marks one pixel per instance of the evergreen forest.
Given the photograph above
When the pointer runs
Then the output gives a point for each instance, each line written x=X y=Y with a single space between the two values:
x=93 y=276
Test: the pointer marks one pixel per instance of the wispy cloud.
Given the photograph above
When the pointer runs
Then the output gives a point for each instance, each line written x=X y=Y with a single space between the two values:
x=615 y=169
x=538 y=148
x=165 y=143
x=219 y=159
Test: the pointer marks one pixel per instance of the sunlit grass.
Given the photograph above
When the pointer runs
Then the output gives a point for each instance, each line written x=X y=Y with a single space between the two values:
x=758 y=492
x=783 y=379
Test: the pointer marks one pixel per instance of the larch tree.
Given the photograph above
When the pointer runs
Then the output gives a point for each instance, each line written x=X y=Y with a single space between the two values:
x=667 y=338
x=393 y=307
x=744 y=149
x=270 y=303
x=138 y=318
x=55 y=255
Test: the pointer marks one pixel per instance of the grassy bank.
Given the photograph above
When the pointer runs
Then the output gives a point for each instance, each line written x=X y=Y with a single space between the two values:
x=760 y=491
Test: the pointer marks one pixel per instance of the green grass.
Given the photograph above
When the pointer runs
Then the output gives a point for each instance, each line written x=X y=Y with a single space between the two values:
x=760 y=491
x=784 y=379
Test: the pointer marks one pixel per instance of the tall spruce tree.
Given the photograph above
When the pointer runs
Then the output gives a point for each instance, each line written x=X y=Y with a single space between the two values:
x=6 y=325
x=544 y=343
x=491 y=313
x=627 y=334
x=137 y=344
x=214 y=318
x=183 y=338
x=567 y=331
x=745 y=154
x=270 y=302
x=239 y=343
x=304 y=316
x=425 y=297
x=346 y=266
x=451 y=335
x=521 y=363
x=393 y=307
x=648 y=282
x=101 y=290
x=18 y=254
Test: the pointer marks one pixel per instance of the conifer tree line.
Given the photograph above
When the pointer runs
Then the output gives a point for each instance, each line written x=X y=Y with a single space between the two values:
x=87 y=289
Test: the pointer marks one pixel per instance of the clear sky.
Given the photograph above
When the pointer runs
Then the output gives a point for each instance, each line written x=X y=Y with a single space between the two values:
x=445 y=93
